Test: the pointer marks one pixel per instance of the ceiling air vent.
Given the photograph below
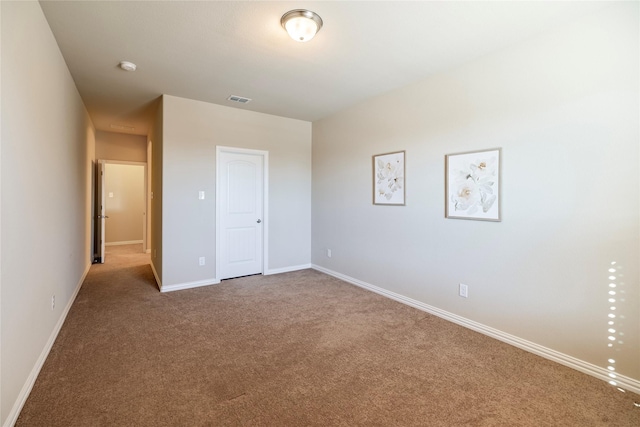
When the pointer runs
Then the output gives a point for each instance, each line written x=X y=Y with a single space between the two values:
x=240 y=99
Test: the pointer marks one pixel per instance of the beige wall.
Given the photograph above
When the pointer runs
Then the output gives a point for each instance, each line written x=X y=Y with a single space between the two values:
x=48 y=145
x=191 y=132
x=125 y=203
x=564 y=108
x=155 y=234
x=121 y=146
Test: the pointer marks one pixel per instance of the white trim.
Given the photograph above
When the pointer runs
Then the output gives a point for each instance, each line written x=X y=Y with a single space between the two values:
x=125 y=242
x=147 y=197
x=155 y=274
x=265 y=203
x=181 y=286
x=265 y=211
x=624 y=382
x=102 y=207
x=287 y=269
x=188 y=285
x=218 y=209
x=33 y=375
x=122 y=162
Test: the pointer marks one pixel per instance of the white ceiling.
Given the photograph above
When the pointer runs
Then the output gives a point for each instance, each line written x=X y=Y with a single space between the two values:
x=208 y=50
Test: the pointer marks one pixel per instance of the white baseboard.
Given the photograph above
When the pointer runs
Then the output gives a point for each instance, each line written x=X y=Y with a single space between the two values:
x=155 y=274
x=209 y=282
x=124 y=242
x=181 y=286
x=33 y=375
x=622 y=381
x=188 y=285
x=286 y=269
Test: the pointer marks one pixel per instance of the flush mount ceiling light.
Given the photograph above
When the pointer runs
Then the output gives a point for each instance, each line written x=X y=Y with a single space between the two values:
x=128 y=66
x=301 y=24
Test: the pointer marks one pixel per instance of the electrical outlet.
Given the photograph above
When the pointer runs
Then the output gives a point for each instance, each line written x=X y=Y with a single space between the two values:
x=201 y=260
x=328 y=253
x=53 y=302
x=463 y=290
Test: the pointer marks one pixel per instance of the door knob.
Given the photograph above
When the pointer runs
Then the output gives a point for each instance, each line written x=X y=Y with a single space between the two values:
x=259 y=221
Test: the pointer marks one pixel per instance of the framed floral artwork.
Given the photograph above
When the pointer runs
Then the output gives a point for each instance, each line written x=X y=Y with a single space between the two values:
x=472 y=185
x=388 y=179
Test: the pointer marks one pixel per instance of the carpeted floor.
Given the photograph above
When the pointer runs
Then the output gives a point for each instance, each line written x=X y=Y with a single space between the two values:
x=296 y=349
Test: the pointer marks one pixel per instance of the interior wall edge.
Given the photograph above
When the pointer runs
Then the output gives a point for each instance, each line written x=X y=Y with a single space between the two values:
x=271 y=271
x=155 y=275
x=1 y=414
x=189 y=285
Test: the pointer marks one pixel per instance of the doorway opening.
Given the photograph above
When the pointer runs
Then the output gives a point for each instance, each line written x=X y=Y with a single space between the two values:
x=121 y=206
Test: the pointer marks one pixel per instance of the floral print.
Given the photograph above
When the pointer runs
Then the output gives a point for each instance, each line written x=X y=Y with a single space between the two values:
x=473 y=185
x=389 y=177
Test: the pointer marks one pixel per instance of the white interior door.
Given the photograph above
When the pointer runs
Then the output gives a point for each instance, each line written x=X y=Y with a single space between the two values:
x=240 y=198
x=102 y=209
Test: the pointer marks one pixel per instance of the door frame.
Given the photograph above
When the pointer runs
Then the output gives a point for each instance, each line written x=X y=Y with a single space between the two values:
x=100 y=216
x=146 y=196
x=265 y=202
